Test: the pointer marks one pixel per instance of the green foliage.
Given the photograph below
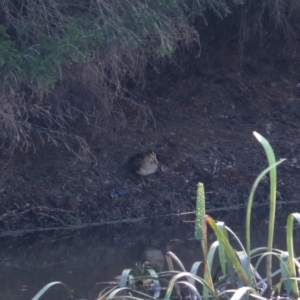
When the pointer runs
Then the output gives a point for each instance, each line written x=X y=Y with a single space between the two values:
x=291 y=269
x=8 y=53
x=98 y=45
x=43 y=64
x=9 y=56
x=238 y=278
x=57 y=36
x=273 y=186
x=94 y=45
x=48 y=286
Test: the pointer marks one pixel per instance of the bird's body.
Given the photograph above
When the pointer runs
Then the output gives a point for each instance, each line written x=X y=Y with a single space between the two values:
x=144 y=164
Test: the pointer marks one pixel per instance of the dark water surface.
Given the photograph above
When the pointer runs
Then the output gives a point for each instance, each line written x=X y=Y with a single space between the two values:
x=83 y=259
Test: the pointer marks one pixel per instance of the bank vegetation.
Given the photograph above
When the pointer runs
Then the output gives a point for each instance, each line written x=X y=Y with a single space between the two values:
x=72 y=61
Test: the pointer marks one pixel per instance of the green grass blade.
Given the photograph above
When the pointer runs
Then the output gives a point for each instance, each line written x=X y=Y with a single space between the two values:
x=50 y=285
x=169 y=256
x=257 y=251
x=278 y=254
x=243 y=258
x=126 y=279
x=211 y=253
x=157 y=287
x=209 y=262
x=229 y=265
x=127 y=292
x=173 y=282
x=222 y=254
x=249 y=205
x=242 y=292
x=204 y=245
x=105 y=292
x=235 y=237
x=273 y=184
x=194 y=271
x=229 y=250
x=290 y=250
x=284 y=272
x=195 y=267
x=265 y=254
x=192 y=289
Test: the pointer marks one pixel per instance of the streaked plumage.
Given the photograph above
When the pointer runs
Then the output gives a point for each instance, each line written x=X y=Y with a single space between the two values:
x=144 y=164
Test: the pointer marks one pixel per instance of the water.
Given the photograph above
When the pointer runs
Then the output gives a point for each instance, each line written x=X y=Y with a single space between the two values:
x=83 y=259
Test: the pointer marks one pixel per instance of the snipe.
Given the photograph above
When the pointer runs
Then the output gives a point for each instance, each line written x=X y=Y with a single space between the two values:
x=144 y=164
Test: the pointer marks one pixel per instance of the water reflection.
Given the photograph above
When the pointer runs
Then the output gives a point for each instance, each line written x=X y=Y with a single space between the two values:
x=83 y=259
x=151 y=258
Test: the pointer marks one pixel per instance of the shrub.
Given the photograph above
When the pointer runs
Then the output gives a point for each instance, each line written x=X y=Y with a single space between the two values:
x=61 y=59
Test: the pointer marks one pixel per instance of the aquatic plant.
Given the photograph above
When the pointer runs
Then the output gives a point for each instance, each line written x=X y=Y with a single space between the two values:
x=225 y=271
x=236 y=275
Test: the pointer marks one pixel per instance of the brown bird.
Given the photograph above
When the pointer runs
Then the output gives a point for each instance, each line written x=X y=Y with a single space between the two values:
x=144 y=164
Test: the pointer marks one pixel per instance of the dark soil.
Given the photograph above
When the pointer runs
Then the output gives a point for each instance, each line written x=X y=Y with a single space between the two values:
x=204 y=112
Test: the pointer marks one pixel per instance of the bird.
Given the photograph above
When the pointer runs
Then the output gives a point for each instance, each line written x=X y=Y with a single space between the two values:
x=144 y=164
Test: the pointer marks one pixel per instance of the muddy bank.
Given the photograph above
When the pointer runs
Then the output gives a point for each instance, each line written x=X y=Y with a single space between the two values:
x=204 y=110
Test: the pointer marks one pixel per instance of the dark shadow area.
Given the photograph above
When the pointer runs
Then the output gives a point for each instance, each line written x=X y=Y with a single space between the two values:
x=87 y=260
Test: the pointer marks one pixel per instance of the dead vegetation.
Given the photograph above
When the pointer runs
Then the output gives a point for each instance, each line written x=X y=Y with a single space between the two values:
x=61 y=61
x=81 y=59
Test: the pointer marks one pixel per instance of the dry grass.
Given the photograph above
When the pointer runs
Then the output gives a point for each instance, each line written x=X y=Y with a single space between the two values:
x=95 y=47
x=270 y=22
x=76 y=58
